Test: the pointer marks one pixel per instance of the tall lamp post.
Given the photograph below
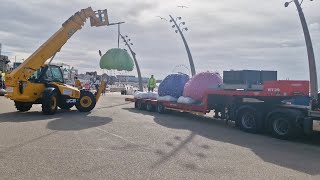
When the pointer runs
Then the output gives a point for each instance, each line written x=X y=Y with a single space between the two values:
x=311 y=59
x=193 y=71
x=118 y=23
x=128 y=43
x=3 y=60
x=3 y=64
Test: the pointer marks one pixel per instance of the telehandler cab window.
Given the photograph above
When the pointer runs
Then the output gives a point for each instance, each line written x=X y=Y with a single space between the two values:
x=35 y=75
x=54 y=74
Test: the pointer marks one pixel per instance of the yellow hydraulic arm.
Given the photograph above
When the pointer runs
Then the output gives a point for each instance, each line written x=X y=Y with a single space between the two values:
x=54 y=44
x=102 y=87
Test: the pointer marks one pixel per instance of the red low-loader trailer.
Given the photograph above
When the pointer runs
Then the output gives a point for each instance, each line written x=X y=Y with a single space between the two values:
x=278 y=107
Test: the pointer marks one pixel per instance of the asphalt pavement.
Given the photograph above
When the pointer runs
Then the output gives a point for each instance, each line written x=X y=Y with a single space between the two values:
x=116 y=141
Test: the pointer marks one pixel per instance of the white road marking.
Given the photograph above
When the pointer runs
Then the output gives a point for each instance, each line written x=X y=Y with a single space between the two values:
x=115 y=135
x=86 y=149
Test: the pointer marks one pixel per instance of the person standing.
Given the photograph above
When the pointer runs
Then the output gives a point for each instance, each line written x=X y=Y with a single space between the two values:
x=151 y=84
x=104 y=91
x=77 y=83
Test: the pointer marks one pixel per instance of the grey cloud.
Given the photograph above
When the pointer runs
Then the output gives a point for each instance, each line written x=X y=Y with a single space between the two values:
x=138 y=8
x=223 y=34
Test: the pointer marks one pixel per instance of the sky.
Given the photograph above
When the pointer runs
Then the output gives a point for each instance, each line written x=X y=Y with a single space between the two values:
x=222 y=35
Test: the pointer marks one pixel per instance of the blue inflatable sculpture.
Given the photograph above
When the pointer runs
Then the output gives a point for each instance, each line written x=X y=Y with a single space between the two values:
x=173 y=85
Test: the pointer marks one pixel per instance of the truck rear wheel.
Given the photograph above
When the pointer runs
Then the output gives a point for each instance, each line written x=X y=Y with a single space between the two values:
x=22 y=106
x=49 y=102
x=249 y=121
x=86 y=102
x=283 y=125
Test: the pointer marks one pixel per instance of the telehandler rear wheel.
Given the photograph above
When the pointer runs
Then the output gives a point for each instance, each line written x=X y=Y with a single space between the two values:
x=22 y=106
x=49 y=103
x=86 y=102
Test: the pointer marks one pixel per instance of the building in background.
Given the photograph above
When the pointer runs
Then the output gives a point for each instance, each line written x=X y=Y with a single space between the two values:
x=112 y=80
x=130 y=78
x=16 y=64
x=4 y=63
x=125 y=78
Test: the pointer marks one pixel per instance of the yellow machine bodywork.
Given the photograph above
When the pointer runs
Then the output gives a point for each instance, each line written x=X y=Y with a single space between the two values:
x=33 y=92
x=25 y=92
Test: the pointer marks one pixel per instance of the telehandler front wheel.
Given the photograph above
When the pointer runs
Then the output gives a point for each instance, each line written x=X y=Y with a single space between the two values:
x=86 y=102
x=49 y=102
x=22 y=106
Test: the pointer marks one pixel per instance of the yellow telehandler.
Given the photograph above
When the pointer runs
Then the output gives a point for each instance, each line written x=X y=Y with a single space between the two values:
x=35 y=82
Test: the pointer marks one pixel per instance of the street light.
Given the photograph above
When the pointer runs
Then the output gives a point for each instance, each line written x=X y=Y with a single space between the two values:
x=311 y=58
x=183 y=23
x=128 y=43
x=118 y=23
x=193 y=71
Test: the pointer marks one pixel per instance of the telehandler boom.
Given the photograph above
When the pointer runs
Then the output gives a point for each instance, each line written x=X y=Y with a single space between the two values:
x=34 y=82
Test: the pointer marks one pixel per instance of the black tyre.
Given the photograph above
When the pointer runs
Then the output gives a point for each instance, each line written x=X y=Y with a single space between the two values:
x=160 y=109
x=136 y=104
x=149 y=107
x=249 y=121
x=283 y=126
x=140 y=105
x=22 y=106
x=49 y=102
x=65 y=106
x=86 y=102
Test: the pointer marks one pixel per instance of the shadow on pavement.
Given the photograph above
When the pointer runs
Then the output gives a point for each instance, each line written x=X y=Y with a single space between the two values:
x=61 y=121
x=116 y=105
x=302 y=154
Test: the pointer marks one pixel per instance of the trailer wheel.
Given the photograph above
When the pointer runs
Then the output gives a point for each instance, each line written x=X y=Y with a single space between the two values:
x=160 y=109
x=249 y=121
x=149 y=107
x=283 y=124
x=139 y=105
x=136 y=105
x=282 y=127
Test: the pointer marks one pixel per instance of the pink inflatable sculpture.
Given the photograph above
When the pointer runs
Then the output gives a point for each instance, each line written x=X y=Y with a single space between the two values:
x=197 y=86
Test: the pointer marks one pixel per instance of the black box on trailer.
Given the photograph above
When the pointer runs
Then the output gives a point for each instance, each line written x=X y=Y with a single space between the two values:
x=232 y=77
x=268 y=76
x=251 y=77
x=248 y=77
